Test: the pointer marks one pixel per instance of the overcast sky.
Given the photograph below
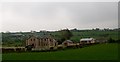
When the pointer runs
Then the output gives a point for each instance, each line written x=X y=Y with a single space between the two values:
x=57 y=15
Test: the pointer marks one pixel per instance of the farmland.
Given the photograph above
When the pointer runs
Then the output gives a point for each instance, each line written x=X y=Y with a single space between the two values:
x=107 y=51
x=19 y=38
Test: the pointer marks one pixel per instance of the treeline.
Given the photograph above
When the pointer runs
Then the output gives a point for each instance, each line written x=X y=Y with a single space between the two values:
x=97 y=29
x=110 y=40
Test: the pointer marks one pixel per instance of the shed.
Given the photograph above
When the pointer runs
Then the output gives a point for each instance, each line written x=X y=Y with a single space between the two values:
x=67 y=43
x=87 y=40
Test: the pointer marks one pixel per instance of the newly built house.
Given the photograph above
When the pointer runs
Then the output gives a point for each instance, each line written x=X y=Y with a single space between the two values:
x=42 y=42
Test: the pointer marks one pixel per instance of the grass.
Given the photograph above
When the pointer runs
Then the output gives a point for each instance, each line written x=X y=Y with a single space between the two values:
x=96 y=34
x=95 y=52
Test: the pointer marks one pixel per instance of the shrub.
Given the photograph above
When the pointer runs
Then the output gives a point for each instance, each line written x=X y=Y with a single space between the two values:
x=110 y=40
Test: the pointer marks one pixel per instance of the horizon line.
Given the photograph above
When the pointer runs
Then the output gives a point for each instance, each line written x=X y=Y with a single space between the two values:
x=58 y=30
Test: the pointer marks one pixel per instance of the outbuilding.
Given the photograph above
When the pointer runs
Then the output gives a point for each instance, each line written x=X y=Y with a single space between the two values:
x=87 y=40
x=67 y=43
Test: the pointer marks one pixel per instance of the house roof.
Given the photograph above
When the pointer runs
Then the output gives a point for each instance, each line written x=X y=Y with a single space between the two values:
x=68 y=41
x=40 y=36
x=86 y=39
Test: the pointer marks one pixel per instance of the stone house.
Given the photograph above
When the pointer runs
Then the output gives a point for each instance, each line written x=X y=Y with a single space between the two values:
x=42 y=42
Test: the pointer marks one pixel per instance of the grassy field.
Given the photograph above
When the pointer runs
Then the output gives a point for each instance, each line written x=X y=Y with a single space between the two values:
x=95 y=34
x=95 y=52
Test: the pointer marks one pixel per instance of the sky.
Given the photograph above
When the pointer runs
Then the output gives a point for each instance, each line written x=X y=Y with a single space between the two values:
x=27 y=16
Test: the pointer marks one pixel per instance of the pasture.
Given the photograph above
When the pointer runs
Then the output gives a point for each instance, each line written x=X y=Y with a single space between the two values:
x=107 y=51
x=94 y=34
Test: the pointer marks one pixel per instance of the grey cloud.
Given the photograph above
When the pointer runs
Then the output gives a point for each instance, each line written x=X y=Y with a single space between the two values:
x=55 y=16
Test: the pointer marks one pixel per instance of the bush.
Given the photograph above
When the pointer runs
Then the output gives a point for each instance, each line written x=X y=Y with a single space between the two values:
x=29 y=47
x=110 y=40
x=60 y=48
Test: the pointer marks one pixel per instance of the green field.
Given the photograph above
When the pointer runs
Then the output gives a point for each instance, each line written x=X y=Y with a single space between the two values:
x=95 y=52
x=95 y=34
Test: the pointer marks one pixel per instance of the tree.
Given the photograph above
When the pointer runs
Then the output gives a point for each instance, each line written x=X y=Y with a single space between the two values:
x=66 y=34
x=75 y=29
x=110 y=40
x=97 y=29
x=29 y=47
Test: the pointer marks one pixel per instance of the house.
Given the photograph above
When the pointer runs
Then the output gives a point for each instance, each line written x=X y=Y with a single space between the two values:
x=42 y=42
x=67 y=43
x=87 y=41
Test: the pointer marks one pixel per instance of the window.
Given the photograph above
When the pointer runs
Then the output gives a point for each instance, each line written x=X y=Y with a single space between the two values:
x=55 y=44
x=46 y=44
x=50 y=40
x=41 y=39
x=45 y=39
x=34 y=39
x=39 y=43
